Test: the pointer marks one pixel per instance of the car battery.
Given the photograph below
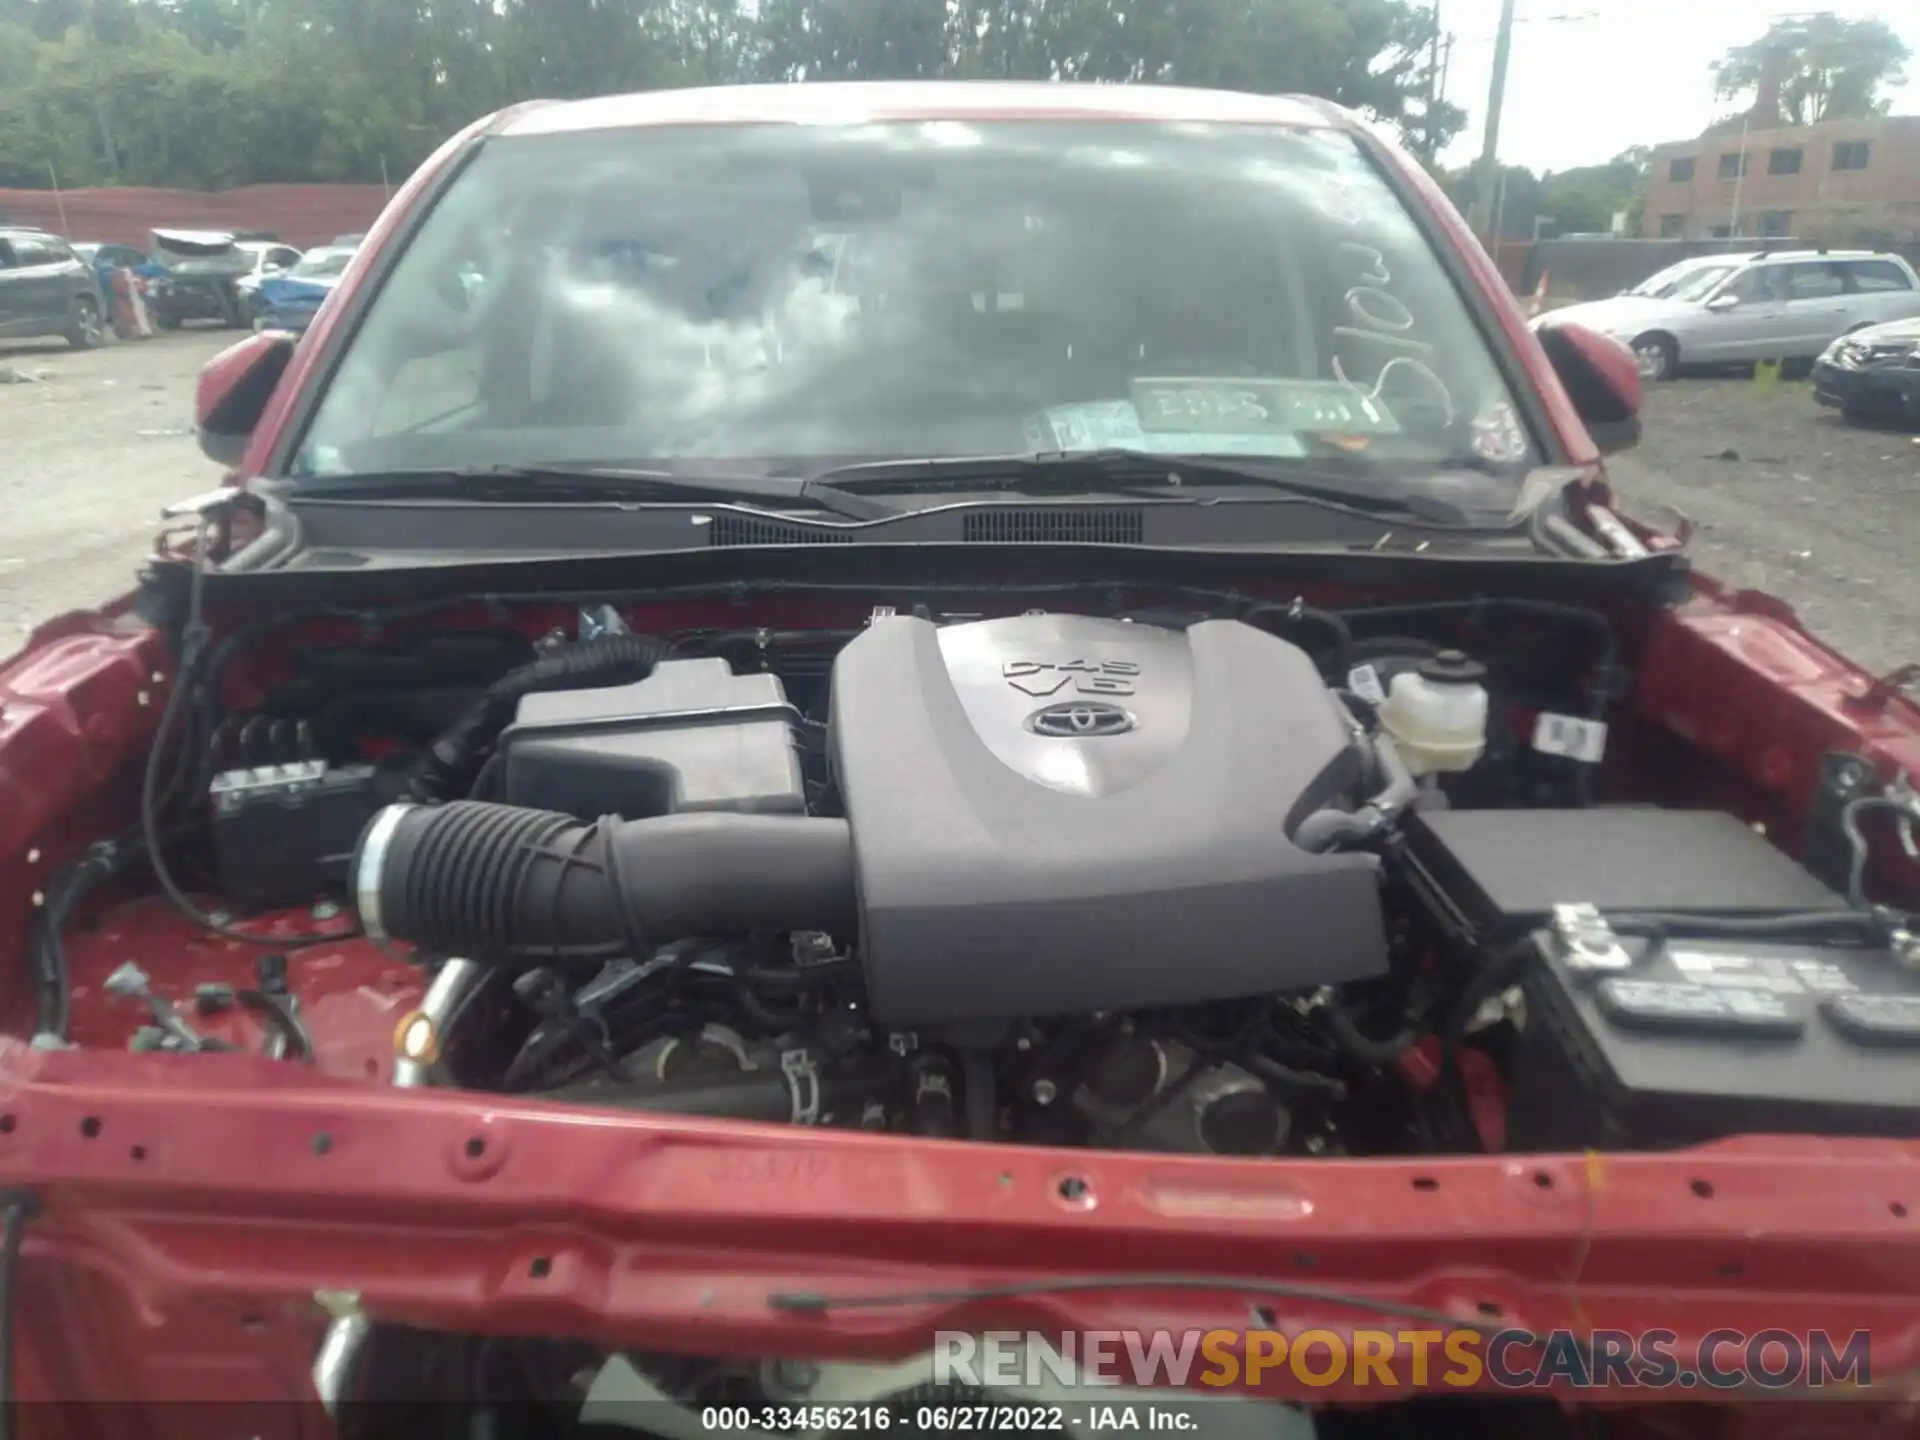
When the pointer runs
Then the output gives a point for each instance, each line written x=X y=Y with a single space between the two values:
x=1688 y=1039
x=1695 y=1040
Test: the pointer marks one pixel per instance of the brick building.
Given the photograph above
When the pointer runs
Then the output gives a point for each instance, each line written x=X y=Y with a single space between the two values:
x=1839 y=182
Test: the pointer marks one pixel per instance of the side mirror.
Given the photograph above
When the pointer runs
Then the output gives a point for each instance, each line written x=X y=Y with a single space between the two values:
x=1723 y=303
x=233 y=392
x=1601 y=379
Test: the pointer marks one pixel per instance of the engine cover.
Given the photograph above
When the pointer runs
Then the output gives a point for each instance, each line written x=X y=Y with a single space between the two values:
x=1055 y=814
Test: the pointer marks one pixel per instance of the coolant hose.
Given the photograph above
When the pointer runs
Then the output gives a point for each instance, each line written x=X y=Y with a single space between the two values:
x=1331 y=829
x=506 y=885
x=1365 y=1048
x=453 y=761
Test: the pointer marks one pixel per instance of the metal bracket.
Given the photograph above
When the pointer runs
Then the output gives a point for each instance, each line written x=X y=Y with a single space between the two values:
x=339 y=1304
x=1902 y=793
x=1586 y=942
x=812 y=948
x=598 y=620
x=804 y=1078
x=1876 y=695
x=207 y=503
x=333 y=1366
x=1613 y=530
x=1906 y=948
x=882 y=612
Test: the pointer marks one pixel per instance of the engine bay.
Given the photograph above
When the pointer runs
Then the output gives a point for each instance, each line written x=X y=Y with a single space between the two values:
x=1248 y=884
x=1203 y=877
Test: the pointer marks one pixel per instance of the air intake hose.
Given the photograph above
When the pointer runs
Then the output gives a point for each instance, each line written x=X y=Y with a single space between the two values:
x=454 y=760
x=505 y=885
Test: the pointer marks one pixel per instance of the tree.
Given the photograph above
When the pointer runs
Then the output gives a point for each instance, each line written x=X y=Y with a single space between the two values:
x=1519 y=197
x=1584 y=200
x=854 y=39
x=212 y=93
x=1813 y=69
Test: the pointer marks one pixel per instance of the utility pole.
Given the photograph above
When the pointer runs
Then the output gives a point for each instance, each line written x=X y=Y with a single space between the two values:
x=1739 y=179
x=59 y=200
x=1488 y=170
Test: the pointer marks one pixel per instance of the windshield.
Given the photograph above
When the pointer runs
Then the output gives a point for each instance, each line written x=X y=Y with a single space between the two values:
x=321 y=265
x=1696 y=287
x=792 y=297
x=1665 y=282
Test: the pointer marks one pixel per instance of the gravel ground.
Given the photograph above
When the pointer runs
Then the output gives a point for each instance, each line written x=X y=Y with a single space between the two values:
x=1785 y=497
x=1788 y=498
x=92 y=444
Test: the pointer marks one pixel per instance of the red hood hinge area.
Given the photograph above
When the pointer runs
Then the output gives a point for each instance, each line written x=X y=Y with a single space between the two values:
x=1628 y=537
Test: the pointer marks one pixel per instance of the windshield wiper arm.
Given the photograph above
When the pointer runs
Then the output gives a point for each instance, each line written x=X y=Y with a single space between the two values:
x=1119 y=471
x=566 y=482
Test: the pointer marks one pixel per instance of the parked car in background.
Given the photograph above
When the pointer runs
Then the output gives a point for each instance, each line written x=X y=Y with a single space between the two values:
x=211 y=275
x=289 y=300
x=1785 y=305
x=105 y=258
x=1663 y=283
x=268 y=260
x=46 y=289
x=1873 y=374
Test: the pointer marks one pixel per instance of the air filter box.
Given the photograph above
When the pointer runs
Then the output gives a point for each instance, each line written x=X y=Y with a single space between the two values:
x=693 y=736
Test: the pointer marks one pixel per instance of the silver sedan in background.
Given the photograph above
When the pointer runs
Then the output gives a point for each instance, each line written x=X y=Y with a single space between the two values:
x=1783 y=305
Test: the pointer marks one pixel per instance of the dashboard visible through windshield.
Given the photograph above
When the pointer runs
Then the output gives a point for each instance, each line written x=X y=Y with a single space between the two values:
x=786 y=298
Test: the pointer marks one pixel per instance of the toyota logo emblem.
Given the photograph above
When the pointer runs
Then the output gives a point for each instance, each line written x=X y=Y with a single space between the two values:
x=1080 y=720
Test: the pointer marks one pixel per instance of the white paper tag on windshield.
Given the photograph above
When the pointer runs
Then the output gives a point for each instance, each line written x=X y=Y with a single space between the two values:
x=1568 y=735
x=1364 y=681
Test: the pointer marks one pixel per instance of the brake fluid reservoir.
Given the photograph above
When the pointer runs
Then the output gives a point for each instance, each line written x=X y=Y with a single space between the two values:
x=1437 y=715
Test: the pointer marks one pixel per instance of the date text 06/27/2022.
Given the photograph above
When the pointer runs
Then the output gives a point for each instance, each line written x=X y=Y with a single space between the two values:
x=1182 y=1367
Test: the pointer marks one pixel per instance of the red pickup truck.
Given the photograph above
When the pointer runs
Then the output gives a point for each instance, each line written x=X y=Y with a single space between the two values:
x=939 y=757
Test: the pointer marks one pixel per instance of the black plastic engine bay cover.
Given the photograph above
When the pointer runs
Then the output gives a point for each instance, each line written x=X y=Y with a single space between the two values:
x=1056 y=814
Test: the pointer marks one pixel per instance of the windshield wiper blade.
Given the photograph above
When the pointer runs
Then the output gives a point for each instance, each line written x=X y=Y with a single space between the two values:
x=571 y=483
x=1141 y=473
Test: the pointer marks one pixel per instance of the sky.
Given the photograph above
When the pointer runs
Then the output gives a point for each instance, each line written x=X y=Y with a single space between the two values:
x=1586 y=79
